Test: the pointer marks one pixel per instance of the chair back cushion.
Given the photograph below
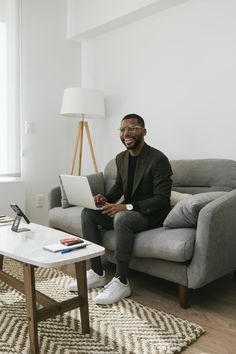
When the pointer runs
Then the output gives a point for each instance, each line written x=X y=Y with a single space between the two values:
x=204 y=175
x=192 y=176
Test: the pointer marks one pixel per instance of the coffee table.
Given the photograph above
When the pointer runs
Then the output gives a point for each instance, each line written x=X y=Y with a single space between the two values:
x=27 y=248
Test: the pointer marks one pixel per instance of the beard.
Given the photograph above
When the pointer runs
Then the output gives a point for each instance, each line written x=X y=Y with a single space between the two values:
x=134 y=142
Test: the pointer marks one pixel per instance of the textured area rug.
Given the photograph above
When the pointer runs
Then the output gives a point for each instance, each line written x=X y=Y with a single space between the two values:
x=126 y=327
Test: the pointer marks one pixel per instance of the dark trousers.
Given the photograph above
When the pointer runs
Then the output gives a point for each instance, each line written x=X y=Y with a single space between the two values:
x=125 y=224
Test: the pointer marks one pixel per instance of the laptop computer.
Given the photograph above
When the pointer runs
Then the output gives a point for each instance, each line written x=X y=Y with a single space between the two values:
x=78 y=191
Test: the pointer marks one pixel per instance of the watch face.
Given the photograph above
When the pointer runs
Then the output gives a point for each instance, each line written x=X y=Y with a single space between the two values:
x=129 y=206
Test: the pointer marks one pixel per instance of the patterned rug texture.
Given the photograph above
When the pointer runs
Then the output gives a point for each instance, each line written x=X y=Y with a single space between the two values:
x=126 y=327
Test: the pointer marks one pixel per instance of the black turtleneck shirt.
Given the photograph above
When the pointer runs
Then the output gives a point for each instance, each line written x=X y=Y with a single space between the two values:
x=132 y=167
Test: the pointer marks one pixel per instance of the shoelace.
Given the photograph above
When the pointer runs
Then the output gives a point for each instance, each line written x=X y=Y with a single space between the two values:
x=111 y=287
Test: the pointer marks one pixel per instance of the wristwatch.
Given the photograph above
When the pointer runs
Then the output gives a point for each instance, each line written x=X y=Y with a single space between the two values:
x=129 y=207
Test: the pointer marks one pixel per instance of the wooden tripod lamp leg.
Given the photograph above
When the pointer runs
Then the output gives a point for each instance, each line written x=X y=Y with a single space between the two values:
x=79 y=129
x=80 y=146
x=91 y=146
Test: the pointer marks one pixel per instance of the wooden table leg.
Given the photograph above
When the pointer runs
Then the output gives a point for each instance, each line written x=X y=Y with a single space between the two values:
x=1 y=262
x=80 y=269
x=30 y=295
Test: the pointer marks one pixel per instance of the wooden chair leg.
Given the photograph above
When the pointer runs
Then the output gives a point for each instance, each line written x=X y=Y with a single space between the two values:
x=1 y=262
x=183 y=296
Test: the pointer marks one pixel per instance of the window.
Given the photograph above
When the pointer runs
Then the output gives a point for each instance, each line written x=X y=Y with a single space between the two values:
x=9 y=87
x=3 y=90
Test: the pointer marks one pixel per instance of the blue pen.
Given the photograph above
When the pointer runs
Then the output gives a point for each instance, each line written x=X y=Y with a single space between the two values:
x=73 y=249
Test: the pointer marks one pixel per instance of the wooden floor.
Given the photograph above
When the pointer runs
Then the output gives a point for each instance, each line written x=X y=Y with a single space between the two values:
x=213 y=307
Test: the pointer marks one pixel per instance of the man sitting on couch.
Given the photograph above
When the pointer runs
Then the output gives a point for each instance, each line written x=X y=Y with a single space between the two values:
x=144 y=179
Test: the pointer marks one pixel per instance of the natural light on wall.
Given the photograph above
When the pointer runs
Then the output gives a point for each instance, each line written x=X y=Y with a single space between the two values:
x=10 y=87
x=3 y=96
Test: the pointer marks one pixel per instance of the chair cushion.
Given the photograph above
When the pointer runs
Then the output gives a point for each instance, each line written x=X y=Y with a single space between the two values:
x=176 y=197
x=161 y=243
x=185 y=213
x=68 y=220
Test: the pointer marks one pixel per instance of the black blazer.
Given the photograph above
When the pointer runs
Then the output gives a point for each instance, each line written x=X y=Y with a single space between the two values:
x=152 y=184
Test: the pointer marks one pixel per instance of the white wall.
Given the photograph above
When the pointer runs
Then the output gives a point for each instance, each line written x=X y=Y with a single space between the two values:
x=12 y=190
x=49 y=64
x=2 y=10
x=176 y=69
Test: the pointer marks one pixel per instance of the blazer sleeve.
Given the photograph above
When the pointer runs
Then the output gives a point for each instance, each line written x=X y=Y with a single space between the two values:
x=159 y=202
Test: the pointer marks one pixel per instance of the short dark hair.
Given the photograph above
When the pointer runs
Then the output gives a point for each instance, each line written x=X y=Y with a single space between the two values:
x=137 y=117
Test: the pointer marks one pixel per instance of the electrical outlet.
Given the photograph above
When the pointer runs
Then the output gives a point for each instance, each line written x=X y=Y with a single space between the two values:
x=39 y=201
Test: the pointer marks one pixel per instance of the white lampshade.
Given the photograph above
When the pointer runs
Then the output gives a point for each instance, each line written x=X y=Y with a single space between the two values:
x=85 y=102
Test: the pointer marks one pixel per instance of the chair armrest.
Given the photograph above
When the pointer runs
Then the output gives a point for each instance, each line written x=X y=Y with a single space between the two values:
x=96 y=182
x=215 y=246
x=54 y=197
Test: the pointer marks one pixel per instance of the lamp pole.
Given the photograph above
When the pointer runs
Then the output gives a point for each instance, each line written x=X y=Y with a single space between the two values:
x=81 y=144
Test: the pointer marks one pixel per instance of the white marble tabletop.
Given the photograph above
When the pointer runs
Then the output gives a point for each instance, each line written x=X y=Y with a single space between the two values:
x=28 y=246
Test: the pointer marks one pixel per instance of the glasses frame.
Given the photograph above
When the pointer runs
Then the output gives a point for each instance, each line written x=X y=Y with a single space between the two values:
x=130 y=128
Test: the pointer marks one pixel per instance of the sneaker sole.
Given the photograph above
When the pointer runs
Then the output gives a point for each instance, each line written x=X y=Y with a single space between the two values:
x=114 y=302
x=89 y=287
x=97 y=286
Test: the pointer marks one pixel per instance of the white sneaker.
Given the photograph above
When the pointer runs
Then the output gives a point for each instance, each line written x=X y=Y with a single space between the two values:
x=113 y=292
x=93 y=281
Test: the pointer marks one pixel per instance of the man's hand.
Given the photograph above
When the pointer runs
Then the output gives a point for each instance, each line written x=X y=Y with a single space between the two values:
x=99 y=199
x=112 y=209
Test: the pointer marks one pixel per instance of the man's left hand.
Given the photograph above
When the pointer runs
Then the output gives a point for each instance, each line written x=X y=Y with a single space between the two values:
x=112 y=209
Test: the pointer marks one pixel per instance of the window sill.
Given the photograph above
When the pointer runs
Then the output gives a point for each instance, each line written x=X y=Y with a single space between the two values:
x=4 y=179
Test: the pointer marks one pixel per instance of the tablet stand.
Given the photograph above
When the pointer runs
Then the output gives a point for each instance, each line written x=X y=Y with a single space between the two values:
x=16 y=223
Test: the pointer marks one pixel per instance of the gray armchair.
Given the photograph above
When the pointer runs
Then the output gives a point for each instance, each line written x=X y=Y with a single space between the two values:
x=189 y=256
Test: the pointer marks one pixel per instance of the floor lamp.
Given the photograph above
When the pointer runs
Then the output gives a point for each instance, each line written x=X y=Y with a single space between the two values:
x=82 y=103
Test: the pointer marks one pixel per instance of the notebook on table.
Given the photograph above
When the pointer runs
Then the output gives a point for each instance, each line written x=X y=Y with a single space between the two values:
x=59 y=247
x=78 y=191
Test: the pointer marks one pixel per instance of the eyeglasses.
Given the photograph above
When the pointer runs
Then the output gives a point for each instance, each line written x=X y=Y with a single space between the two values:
x=130 y=128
